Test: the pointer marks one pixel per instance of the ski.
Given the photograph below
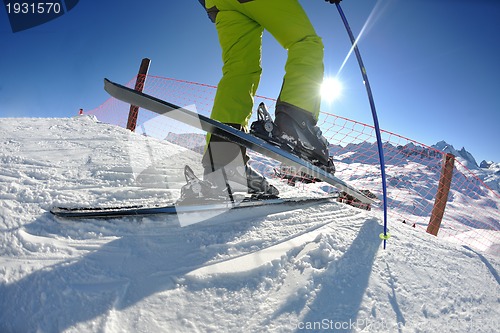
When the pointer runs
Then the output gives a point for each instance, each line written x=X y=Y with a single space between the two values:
x=229 y=133
x=169 y=209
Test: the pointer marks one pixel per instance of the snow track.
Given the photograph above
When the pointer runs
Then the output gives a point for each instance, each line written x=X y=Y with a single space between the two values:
x=316 y=268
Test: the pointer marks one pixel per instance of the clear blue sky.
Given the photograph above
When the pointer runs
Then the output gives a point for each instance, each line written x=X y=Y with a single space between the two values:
x=433 y=64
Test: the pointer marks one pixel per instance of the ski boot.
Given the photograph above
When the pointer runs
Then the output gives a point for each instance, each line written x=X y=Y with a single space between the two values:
x=264 y=127
x=242 y=178
x=295 y=131
x=197 y=191
x=227 y=165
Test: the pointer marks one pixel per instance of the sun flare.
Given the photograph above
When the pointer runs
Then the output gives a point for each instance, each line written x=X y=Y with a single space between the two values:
x=331 y=89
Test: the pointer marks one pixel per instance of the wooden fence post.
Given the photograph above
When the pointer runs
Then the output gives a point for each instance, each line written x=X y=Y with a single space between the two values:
x=442 y=194
x=139 y=86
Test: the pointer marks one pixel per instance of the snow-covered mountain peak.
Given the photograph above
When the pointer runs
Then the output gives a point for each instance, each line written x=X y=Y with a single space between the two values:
x=495 y=167
x=463 y=155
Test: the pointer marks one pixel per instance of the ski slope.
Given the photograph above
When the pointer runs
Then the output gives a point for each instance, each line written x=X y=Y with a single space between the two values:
x=316 y=268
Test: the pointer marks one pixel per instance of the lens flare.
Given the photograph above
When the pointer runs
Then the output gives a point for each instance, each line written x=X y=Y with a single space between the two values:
x=331 y=89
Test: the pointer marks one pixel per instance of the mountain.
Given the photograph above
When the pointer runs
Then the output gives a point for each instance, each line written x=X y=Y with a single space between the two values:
x=367 y=153
x=488 y=172
x=490 y=165
x=463 y=155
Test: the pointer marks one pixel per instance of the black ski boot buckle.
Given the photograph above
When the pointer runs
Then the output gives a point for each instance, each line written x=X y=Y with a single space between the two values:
x=264 y=126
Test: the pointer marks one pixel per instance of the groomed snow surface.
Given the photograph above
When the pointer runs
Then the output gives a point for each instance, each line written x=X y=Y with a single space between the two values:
x=314 y=268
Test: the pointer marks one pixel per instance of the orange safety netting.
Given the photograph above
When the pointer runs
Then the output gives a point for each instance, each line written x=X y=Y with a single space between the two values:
x=413 y=169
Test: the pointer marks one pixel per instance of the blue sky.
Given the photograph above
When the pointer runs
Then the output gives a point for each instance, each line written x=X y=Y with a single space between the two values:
x=433 y=65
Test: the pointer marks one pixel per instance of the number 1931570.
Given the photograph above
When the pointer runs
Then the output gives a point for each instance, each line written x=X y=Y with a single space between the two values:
x=33 y=8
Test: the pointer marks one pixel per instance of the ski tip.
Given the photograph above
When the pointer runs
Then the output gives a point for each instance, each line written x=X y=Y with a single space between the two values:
x=107 y=83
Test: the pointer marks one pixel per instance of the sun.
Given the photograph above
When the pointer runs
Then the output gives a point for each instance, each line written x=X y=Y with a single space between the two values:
x=331 y=89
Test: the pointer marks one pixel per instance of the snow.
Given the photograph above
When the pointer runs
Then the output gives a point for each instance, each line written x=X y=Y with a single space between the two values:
x=315 y=268
x=467 y=159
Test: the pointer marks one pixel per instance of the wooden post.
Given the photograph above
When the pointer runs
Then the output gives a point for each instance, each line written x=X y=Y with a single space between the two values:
x=442 y=194
x=139 y=86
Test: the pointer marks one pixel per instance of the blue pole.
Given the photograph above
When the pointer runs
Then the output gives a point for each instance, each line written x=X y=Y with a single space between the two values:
x=385 y=235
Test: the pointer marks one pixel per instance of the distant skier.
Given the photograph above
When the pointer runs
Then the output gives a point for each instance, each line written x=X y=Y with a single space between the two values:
x=240 y=25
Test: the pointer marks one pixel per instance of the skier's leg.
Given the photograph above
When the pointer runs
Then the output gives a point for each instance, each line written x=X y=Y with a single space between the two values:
x=298 y=105
x=288 y=23
x=240 y=39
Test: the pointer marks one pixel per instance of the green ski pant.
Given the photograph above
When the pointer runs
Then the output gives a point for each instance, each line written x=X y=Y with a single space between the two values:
x=240 y=25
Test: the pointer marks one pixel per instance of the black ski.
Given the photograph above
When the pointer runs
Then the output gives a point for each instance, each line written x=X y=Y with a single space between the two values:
x=140 y=210
x=229 y=133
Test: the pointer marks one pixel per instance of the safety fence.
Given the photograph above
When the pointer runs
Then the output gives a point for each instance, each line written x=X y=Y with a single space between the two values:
x=414 y=170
